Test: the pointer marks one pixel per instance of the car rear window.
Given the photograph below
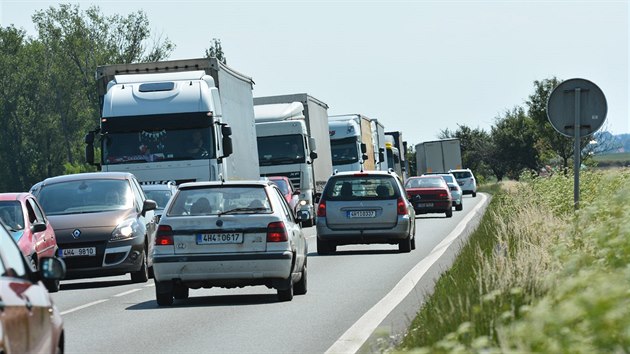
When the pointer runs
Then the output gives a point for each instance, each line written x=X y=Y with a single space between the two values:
x=363 y=187
x=214 y=200
x=463 y=174
x=432 y=182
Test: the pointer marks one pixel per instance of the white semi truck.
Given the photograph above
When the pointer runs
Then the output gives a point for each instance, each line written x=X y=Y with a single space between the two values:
x=438 y=156
x=292 y=135
x=351 y=142
x=182 y=120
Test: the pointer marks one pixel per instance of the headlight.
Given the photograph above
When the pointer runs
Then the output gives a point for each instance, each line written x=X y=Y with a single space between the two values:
x=302 y=202
x=125 y=230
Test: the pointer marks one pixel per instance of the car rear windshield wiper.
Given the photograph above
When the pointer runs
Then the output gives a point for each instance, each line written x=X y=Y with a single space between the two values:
x=237 y=210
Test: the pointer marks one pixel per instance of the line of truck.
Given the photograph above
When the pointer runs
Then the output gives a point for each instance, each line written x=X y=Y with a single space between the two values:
x=197 y=120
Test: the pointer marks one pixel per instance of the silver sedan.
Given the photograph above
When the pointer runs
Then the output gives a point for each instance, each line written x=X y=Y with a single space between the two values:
x=229 y=235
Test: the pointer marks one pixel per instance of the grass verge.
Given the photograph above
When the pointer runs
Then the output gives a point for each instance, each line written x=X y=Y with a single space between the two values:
x=537 y=276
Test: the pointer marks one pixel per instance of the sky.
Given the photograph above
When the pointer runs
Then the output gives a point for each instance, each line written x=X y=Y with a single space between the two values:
x=417 y=66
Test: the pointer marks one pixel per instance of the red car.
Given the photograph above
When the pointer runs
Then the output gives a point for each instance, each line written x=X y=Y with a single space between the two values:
x=287 y=189
x=29 y=227
x=429 y=194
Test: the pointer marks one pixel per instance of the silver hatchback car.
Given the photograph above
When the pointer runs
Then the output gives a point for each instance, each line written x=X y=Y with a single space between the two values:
x=229 y=234
x=362 y=208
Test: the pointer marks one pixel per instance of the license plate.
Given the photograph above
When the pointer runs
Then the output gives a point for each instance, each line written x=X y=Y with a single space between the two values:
x=362 y=213
x=424 y=205
x=212 y=239
x=78 y=252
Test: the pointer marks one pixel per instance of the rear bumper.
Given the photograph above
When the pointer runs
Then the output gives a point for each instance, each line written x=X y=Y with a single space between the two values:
x=364 y=236
x=208 y=267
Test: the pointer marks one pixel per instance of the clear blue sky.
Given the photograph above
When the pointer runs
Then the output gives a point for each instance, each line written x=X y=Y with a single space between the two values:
x=417 y=66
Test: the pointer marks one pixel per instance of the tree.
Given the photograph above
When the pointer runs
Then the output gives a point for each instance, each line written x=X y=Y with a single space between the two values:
x=48 y=98
x=216 y=51
x=513 y=144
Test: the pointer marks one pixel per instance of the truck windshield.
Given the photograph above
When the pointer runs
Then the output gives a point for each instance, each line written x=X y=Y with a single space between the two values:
x=158 y=145
x=344 y=151
x=280 y=150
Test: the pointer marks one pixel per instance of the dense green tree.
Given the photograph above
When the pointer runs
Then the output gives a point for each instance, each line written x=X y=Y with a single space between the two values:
x=513 y=144
x=48 y=97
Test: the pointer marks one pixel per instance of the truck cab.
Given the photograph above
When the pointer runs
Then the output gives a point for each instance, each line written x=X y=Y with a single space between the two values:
x=346 y=148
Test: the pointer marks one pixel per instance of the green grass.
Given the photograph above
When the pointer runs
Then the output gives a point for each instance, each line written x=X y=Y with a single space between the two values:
x=537 y=276
x=623 y=156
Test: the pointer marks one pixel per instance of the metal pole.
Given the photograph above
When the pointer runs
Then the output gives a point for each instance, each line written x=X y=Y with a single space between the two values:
x=576 y=152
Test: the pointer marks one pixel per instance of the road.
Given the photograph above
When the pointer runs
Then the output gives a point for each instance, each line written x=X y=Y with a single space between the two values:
x=355 y=297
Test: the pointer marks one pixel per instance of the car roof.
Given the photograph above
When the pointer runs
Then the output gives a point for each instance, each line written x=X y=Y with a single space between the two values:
x=363 y=173
x=87 y=176
x=160 y=186
x=13 y=196
x=261 y=183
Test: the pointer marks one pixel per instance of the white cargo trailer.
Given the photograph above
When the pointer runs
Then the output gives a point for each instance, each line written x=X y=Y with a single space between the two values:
x=438 y=156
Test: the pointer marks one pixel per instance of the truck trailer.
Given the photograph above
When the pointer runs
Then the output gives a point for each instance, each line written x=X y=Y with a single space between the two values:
x=181 y=120
x=378 y=140
x=351 y=142
x=438 y=156
x=292 y=136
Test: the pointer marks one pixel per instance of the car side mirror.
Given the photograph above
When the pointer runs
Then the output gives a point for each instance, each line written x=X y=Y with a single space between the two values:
x=302 y=215
x=148 y=205
x=52 y=268
x=38 y=227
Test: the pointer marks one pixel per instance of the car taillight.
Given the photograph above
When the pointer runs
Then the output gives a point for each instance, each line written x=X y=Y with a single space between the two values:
x=401 y=206
x=164 y=236
x=443 y=195
x=276 y=232
x=321 y=209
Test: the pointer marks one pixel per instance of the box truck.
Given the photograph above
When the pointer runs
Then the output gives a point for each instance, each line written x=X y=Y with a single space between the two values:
x=351 y=142
x=438 y=156
x=292 y=136
x=181 y=120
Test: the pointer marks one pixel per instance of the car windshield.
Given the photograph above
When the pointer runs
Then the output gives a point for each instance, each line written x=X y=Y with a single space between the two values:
x=12 y=215
x=85 y=196
x=436 y=182
x=361 y=187
x=280 y=150
x=344 y=151
x=215 y=200
x=160 y=196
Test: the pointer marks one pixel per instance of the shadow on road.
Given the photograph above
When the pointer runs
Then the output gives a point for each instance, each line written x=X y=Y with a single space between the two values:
x=91 y=284
x=353 y=252
x=211 y=301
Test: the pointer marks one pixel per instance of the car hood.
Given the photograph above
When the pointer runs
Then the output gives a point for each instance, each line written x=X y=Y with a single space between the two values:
x=86 y=220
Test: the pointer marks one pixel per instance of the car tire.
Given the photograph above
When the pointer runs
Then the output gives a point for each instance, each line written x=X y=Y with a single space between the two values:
x=163 y=293
x=449 y=213
x=141 y=275
x=404 y=246
x=413 y=239
x=325 y=247
x=459 y=207
x=308 y=223
x=52 y=285
x=300 y=287
x=286 y=294
x=181 y=292
x=474 y=194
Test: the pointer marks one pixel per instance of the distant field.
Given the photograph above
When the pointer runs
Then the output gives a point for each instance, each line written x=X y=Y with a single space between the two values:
x=612 y=158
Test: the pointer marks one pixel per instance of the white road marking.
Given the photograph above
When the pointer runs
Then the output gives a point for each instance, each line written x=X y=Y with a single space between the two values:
x=84 y=306
x=127 y=292
x=355 y=336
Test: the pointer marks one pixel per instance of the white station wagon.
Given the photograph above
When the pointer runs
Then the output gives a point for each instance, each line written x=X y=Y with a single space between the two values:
x=229 y=234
